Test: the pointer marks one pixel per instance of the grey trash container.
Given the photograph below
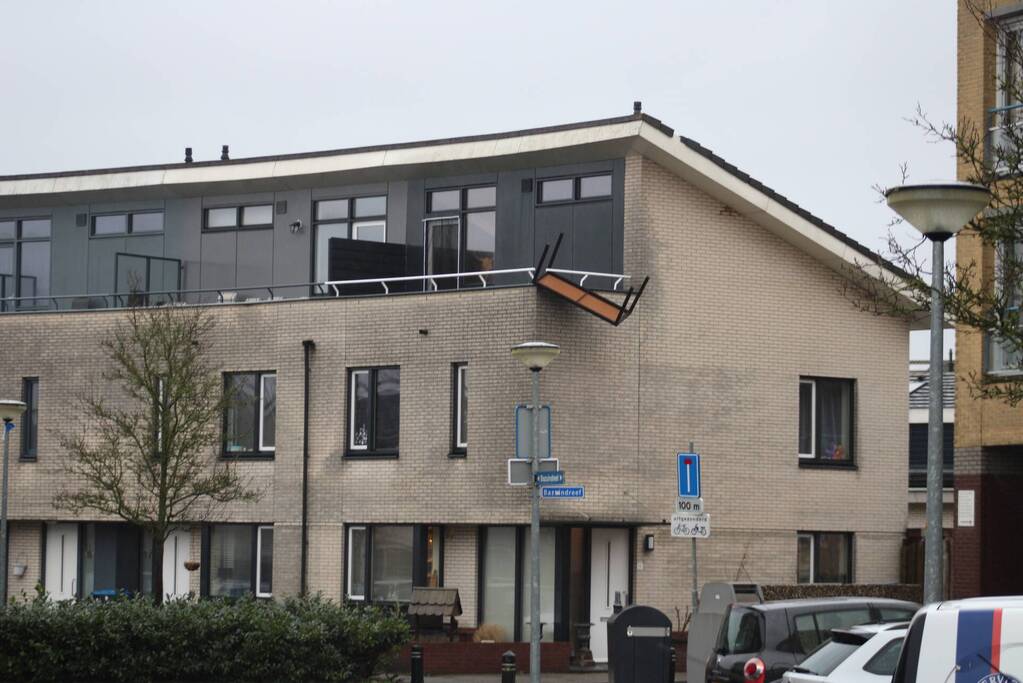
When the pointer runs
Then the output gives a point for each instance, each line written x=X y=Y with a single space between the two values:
x=639 y=646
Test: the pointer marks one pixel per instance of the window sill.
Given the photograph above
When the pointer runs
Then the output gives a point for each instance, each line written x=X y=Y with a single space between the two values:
x=262 y=455
x=458 y=454
x=807 y=463
x=371 y=455
x=27 y=458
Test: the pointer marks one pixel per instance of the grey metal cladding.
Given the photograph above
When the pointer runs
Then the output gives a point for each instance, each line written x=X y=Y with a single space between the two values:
x=255 y=258
x=69 y=248
x=552 y=221
x=219 y=258
x=292 y=251
x=592 y=236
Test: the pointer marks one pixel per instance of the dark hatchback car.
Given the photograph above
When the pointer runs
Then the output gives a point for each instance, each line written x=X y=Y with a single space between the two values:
x=760 y=642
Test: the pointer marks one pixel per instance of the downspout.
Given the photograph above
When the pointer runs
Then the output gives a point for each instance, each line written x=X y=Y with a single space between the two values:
x=308 y=346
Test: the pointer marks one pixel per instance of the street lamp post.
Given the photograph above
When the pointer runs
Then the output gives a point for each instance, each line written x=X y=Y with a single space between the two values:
x=939 y=211
x=535 y=356
x=9 y=411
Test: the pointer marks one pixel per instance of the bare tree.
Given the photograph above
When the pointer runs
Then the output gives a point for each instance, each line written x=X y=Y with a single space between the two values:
x=151 y=459
x=985 y=299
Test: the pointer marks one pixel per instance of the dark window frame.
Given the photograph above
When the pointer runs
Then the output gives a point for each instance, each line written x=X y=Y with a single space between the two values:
x=30 y=433
x=815 y=459
x=577 y=197
x=850 y=540
x=419 y=558
x=370 y=452
x=349 y=221
x=15 y=243
x=129 y=223
x=259 y=452
x=918 y=434
x=238 y=208
x=206 y=557
x=459 y=447
x=460 y=214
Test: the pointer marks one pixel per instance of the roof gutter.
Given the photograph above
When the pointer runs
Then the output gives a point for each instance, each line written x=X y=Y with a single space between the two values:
x=308 y=346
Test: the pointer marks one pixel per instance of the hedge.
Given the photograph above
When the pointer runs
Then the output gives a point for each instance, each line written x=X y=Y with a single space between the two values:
x=899 y=591
x=183 y=641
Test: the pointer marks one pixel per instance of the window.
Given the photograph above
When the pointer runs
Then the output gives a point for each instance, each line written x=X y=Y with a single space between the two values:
x=233 y=217
x=499 y=578
x=358 y=218
x=127 y=223
x=918 y=455
x=24 y=262
x=506 y=579
x=384 y=562
x=240 y=560
x=1003 y=358
x=741 y=633
x=463 y=238
x=826 y=421
x=460 y=400
x=374 y=410
x=884 y=660
x=1007 y=113
x=574 y=189
x=250 y=420
x=814 y=628
x=30 y=418
x=111 y=559
x=824 y=557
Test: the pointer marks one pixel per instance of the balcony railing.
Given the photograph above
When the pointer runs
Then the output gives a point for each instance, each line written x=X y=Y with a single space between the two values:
x=469 y=281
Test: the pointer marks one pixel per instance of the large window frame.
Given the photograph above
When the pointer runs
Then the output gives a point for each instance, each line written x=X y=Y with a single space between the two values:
x=259 y=406
x=352 y=221
x=370 y=449
x=30 y=418
x=11 y=283
x=427 y=551
x=1000 y=361
x=257 y=547
x=462 y=215
x=578 y=192
x=129 y=223
x=817 y=456
x=239 y=219
x=261 y=545
x=814 y=540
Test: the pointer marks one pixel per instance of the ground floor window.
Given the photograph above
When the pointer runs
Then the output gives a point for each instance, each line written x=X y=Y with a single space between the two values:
x=824 y=557
x=112 y=557
x=507 y=577
x=240 y=560
x=384 y=562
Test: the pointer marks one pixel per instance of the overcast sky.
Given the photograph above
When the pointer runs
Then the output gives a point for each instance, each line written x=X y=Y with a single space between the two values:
x=808 y=96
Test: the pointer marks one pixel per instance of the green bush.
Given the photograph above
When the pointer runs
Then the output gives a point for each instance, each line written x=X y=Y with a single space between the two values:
x=186 y=641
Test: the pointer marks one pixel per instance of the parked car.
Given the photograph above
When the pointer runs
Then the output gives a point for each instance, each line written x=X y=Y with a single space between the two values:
x=979 y=640
x=861 y=654
x=758 y=643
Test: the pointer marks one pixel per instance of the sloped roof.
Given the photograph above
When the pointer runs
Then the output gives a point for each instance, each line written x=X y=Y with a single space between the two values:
x=437 y=602
x=919 y=396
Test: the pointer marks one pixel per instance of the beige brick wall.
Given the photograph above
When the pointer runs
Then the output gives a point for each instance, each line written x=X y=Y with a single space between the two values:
x=25 y=548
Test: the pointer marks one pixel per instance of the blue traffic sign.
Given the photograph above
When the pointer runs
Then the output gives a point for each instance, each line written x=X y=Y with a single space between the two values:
x=557 y=477
x=689 y=475
x=562 y=492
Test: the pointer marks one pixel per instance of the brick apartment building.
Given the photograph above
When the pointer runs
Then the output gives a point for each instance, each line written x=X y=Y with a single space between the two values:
x=988 y=434
x=742 y=342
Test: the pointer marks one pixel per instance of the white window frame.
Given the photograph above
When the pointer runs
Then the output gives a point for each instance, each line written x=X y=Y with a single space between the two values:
x=369 y=224
x=461 y=377
x=813 y=554
x=813 y=418
x=259 y=561
x=351 y=410
x=348 y=553
x=262 y=406
x=159 y=413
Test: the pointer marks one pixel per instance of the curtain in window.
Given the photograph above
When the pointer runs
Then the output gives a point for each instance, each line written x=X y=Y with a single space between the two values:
x=231 y=554
x=392 y=564
x=833 y=555
x=499 y=579
x=834 y=400
x=547 y=557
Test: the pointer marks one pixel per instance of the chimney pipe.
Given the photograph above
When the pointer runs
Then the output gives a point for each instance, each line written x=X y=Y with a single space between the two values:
x=637 y=107
x=223 y=153
x=188 y=155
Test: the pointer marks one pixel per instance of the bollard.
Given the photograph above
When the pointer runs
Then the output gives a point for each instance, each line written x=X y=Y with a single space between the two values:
x=508 y=667
x=417 y=663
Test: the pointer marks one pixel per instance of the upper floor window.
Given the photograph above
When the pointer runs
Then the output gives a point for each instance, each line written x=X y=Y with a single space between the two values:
x=460 y=233
x=572 y=189
x=374 y=403
x=826 y=420
x=460 y=401
x=142 y=222
x=355 y=218
x=250 y=420
x=24 y=262
x=824 y=557
x=30 y=418
x=1003 y=356
x=233 y=217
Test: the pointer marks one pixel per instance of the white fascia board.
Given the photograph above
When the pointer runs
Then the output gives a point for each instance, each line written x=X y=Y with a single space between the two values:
x=919 y=416
x=703 y=173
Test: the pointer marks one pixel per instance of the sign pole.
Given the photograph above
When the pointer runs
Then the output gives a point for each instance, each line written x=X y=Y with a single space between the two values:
x=534 y=542
x=696 y=590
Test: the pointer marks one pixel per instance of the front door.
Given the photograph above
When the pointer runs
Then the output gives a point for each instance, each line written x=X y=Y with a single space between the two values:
x=609 y=574
x=61 y=560
x=176 y=550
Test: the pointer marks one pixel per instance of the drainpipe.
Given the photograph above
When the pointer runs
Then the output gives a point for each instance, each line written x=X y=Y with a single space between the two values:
x=308 y=346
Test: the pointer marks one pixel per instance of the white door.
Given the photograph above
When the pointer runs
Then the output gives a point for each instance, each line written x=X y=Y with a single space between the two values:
x=176 y=550
x=61 y=560
x=609 y=574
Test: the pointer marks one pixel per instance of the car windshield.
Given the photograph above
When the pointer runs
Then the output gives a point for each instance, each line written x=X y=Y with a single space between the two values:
x=740 y=633
x=827 y=657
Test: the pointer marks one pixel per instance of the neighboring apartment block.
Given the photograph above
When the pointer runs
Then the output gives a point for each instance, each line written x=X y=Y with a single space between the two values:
x=742 y=343
x=988 y=434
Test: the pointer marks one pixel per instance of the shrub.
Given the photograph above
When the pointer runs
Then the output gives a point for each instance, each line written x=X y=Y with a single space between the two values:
x=308 y=639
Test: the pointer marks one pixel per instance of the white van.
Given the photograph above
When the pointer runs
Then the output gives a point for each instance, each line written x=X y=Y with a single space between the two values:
x=979 y=640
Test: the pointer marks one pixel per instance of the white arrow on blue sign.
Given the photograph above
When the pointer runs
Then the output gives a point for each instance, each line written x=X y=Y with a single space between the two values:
x=562 y=492
x=557 y=477
x=689 y=475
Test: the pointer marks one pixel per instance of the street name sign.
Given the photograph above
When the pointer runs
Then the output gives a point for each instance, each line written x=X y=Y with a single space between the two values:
x=562 y=492
x=520 y=471
x=689 y=475
x=688 y=525
x=557 y=477
x=689 y=505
